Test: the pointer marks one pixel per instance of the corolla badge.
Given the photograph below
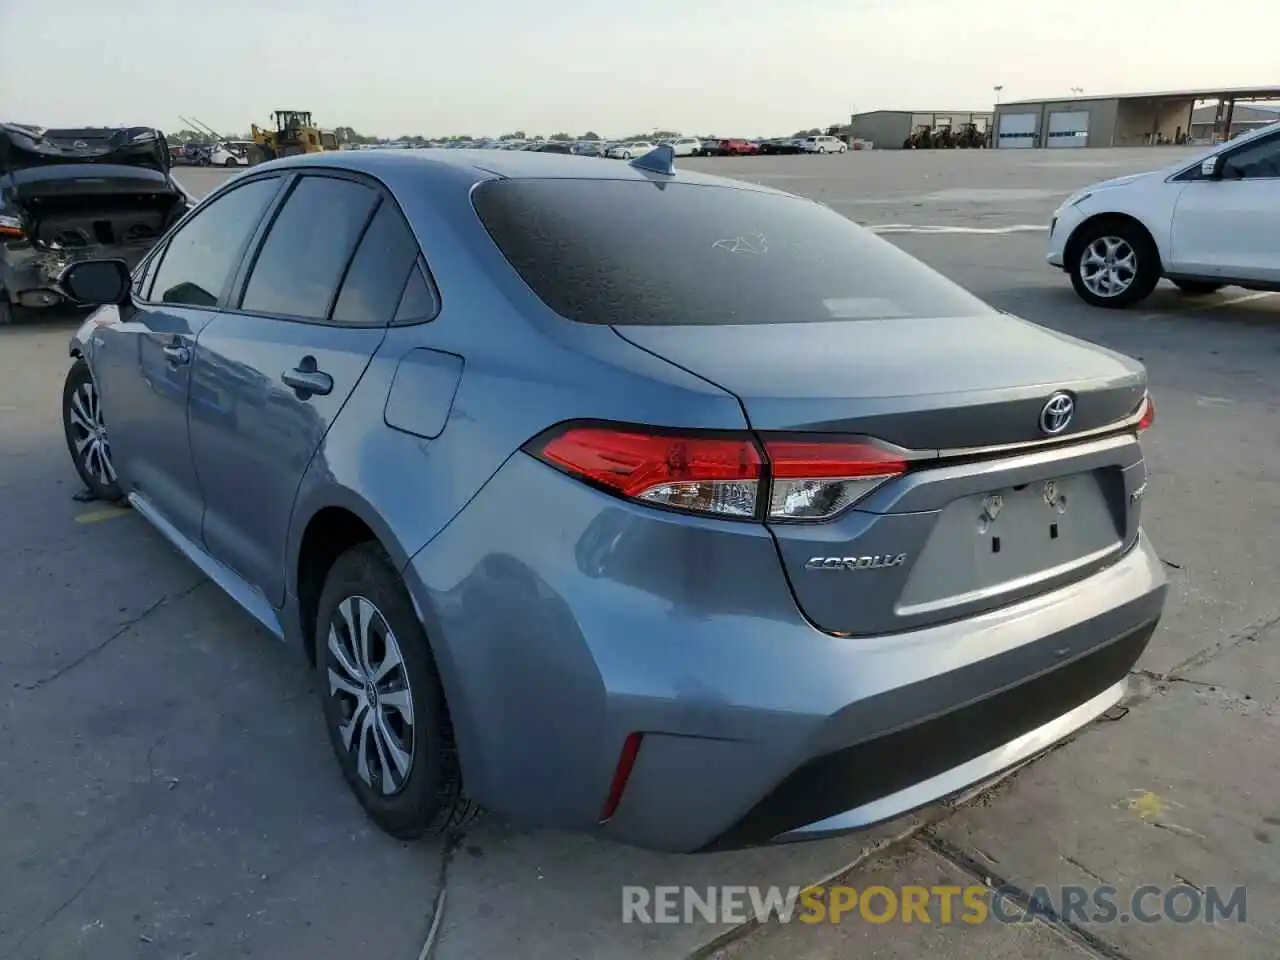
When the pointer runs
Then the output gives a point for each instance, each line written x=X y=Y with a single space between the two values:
x=1056 y=414
x=878 y=562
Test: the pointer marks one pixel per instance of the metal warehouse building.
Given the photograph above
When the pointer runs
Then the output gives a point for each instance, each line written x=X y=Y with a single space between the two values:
x=889 y=129
x=1126 y=120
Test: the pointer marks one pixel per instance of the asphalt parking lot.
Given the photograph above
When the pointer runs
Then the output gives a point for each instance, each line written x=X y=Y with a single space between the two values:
x=166 y=789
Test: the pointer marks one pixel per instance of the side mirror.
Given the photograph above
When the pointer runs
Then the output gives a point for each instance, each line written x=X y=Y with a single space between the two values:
x=1211 y=167
x=96 y=282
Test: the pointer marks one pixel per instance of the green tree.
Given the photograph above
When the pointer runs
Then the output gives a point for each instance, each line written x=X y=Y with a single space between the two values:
x=591 y=135
x=561 y=137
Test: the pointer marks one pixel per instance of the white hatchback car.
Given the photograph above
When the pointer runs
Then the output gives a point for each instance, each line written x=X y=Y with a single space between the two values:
x=1203 y=223
x=823 y=145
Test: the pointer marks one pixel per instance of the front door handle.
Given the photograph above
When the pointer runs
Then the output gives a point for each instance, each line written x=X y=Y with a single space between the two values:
x=177 y=354
x=308 y=380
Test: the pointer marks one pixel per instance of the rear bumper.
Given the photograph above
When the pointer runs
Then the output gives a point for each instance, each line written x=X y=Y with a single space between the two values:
x=595 y=619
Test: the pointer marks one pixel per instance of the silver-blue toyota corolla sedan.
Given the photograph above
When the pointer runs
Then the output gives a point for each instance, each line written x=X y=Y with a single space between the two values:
x=623 y=499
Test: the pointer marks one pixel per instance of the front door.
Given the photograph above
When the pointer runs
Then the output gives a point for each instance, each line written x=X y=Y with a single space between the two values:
x=143 y=366
x=1229 y=227
x=312 y=308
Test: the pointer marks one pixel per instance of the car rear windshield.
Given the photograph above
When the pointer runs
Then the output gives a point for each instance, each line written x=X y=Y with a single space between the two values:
x=665 y=254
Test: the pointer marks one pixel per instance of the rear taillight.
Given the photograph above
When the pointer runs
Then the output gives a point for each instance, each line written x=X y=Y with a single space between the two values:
x=725 y=475
x=817 y=479
x=10 y=227
x=705 y=474
x=1148 y=414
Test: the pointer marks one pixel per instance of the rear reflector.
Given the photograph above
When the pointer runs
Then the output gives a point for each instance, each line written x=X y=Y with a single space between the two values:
x=721 y=474
x=621 y=774
x=817 y=479
x=1148 y=414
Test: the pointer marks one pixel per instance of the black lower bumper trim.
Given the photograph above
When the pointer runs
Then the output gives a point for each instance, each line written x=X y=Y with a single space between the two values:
x=858 y=774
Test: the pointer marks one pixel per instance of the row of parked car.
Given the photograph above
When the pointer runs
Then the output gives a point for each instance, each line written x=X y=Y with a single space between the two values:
x=729 y=147
x=224 y=153
x=628 y=149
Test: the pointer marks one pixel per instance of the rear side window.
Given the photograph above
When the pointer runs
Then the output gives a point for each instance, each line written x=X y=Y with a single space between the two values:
x=199 y=259
x=634 y=252
x=378 y=271
x=302 y=260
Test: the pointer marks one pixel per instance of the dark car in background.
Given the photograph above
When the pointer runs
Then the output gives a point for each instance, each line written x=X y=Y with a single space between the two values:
x=781 y=146
x=78 y=194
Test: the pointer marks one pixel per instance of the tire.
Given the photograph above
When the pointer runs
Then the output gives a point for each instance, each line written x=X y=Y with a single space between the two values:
x=86 y=434
x=1198 y=288
x=230 y=162
x=364 y=596
x=6 y=313
x=1123 y=253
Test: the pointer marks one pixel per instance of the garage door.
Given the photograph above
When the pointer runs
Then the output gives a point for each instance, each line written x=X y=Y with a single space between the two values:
x=1069 y=128
x=1017 y=130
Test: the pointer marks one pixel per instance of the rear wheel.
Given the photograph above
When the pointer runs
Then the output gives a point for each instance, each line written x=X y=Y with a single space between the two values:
x=383 y=704
x=1114 y=264
x=1198 y=288
x=230 y=162
x=86 y=434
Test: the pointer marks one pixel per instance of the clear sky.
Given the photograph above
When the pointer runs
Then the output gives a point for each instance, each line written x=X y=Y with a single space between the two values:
x=732 y=67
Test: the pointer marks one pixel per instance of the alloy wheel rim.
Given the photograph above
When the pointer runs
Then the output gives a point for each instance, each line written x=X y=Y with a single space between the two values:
x=89 y=432
x=368 y=679
x=1108 y=267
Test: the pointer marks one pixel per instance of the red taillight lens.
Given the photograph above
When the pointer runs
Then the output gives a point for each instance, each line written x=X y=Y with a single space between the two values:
x=817 y=479
x=704 y=474
x=722 y=475
x=1148 y=414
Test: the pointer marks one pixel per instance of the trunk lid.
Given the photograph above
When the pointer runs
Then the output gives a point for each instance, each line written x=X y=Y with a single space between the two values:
x=23 y=147
x=921 y=383
x=967 y=528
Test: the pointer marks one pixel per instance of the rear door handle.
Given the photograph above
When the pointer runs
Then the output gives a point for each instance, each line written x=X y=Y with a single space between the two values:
x=177 y=354
x=308 y=380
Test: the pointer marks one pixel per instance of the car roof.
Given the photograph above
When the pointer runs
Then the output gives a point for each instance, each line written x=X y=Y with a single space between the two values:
x=402 y=167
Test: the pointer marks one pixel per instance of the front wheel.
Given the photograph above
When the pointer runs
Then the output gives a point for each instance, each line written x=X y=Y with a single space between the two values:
x=1114 y=265
x=231 y=162
x=86 y=433
x=1198 y=288
x=383 y=703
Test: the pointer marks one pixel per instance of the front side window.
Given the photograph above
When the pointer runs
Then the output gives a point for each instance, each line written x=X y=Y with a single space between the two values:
x=695 y=254
x=305 y=254
x=1258 y=160
x=203 y=253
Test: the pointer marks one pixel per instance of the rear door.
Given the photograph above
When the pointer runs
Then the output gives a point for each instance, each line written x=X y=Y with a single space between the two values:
x=310 y=309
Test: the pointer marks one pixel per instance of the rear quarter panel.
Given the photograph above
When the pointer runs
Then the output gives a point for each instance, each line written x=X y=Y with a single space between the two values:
x=524 y=369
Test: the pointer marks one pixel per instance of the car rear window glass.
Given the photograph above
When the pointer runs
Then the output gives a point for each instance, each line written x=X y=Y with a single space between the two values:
x=303 y=258
x=636 y=252
x=374 y=281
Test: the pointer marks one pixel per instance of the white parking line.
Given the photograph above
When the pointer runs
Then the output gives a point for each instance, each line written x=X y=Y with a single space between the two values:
x=940 y=229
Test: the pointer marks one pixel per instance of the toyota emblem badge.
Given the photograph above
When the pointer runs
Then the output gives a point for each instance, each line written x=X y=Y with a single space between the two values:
x=1056 y=413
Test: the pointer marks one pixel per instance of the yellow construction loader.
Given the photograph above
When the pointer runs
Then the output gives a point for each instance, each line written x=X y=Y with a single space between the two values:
x=294 y=134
